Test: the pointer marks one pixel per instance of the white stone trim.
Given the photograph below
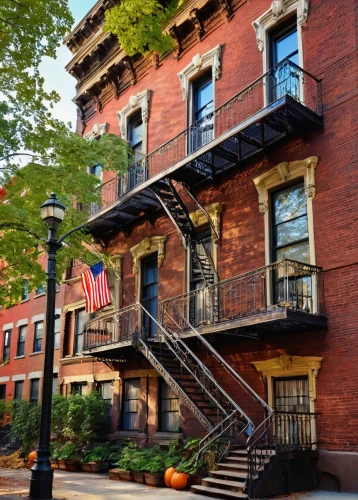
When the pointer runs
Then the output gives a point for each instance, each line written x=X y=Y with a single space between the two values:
x=78 y=379
x=18 y=378
x=8 y=326
x=146 y=247
x=37 y=318
x=22 y=322
x=199 y=63
x=97 y=131
x=34 y=375
x=135 y=102
x=278 y=10
x=58 y=311
x=4 y=379
x=55 y=369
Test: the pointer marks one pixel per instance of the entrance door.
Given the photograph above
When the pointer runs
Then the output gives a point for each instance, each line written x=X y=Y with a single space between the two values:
x=150 y=294
x=293 y=426
x=285 y=78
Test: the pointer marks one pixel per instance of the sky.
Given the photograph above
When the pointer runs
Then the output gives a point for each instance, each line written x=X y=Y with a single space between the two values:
x=56 y=77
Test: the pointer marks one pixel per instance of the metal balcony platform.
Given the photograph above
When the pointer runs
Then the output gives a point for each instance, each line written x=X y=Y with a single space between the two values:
x=238 y=130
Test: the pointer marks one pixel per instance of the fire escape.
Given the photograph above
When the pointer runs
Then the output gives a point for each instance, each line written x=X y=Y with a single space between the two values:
x=245 y=126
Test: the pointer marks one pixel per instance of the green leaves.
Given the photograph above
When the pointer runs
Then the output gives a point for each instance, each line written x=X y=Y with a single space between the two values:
x=139 y=25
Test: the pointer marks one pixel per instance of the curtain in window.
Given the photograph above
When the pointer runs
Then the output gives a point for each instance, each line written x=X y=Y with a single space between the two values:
x=291 y=395
x=131 y=404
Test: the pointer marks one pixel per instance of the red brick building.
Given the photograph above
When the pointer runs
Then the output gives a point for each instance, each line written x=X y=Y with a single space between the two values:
x=232 y=238
x=240 y=204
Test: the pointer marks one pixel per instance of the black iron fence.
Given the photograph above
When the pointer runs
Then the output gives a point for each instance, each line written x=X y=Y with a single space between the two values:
x=284 y=79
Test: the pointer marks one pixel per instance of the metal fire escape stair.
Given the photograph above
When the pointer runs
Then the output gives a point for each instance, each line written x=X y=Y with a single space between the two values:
x=179 y=215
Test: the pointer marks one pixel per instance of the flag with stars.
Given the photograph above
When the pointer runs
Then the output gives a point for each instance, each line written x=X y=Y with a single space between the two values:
x=96 y=287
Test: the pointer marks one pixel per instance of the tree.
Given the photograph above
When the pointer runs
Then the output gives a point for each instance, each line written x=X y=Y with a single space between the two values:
x=139 y=25
x=30 y=30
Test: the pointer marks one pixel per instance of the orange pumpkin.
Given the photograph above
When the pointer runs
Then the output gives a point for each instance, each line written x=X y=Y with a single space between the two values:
x=168 y=476
x=32 y=456
x=179 y=480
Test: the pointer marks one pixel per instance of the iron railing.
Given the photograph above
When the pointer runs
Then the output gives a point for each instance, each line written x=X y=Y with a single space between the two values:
x=286 y=78
x=283 y=284
x=280 y=432
x=113 y=327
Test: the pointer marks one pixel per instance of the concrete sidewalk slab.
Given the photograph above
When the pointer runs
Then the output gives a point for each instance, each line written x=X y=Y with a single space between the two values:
x=14 y=485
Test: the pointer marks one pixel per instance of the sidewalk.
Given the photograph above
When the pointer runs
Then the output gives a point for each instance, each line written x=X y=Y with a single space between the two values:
x=14 y=485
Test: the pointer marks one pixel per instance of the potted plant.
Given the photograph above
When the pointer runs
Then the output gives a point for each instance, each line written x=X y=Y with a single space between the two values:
x=68 y=457
x=114 y=456
x=126 y=460
x=154 y=467
x=95 y=459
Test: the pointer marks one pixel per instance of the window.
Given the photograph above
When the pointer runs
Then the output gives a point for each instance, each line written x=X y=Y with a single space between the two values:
x=131 y=404
x=290 y=241
x=285 y=79
x=169 y=409
x=7 y=341
x=25 y=290
x=199 y=263
x=18 y=389
x=291 y=394
x=41 y=289
x=79 y=388
x=57 y=331
x=202 y=119
x=54 y=383
x=105 y=390
x=97 y=171
x=34 y=390
x=136 y=172
x=149 y=295
x=38 y=336
x=21 y=341
x=290 y=224
x=80 y=318
x=2 y=391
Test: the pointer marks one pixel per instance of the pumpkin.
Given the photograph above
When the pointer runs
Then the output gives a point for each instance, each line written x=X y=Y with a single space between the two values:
x=32 y=456
x=179 y=480
x=168 y=476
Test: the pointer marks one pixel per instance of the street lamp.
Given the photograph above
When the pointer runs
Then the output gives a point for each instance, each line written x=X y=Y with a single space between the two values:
x=52 y=212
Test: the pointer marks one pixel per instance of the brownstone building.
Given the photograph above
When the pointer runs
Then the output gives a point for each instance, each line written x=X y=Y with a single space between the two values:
x=232 y=238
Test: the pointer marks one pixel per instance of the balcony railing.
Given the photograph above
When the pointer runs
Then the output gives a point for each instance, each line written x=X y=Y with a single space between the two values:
x=111 y=328
x=263 y=94
x=282 y=285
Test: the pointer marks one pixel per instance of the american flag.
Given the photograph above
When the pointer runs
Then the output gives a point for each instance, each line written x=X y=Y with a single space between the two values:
x=96 y=287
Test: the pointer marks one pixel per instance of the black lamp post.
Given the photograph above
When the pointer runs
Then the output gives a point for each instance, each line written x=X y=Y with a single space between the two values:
x=52 y=212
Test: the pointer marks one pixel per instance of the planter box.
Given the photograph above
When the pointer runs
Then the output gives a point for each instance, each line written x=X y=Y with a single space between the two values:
x=194 y=480
x=139 y=477
x=114 y=474
x=69 y=465
x=154 y=478
x=54 y=464
x=88 y=467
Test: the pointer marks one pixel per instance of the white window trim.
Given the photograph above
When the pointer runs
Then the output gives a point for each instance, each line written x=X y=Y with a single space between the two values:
x=198 y=64
x=9 y=326
x=279 y=10
x=97 y=131
x=136 y=102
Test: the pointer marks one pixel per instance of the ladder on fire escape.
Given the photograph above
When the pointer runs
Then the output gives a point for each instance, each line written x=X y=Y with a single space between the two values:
x=179 y=215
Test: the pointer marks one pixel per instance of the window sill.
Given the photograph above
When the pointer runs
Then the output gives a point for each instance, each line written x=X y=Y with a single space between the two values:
x=40 y=295
x=36 y=353
x=19 y=357
x=25 y=300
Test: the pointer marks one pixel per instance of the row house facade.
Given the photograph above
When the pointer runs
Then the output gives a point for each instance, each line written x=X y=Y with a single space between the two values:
x=232 y=236
x=232 y=242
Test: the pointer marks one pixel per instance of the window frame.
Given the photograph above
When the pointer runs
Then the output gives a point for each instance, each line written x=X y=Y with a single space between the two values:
x=76 y=335
x=37 y=339
x=194 y=138
x=57 y=334
x=162 y=412
x=22 y=342
x=6 y=345
x=18 y=383
x=34 y=381
x=124 y=413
